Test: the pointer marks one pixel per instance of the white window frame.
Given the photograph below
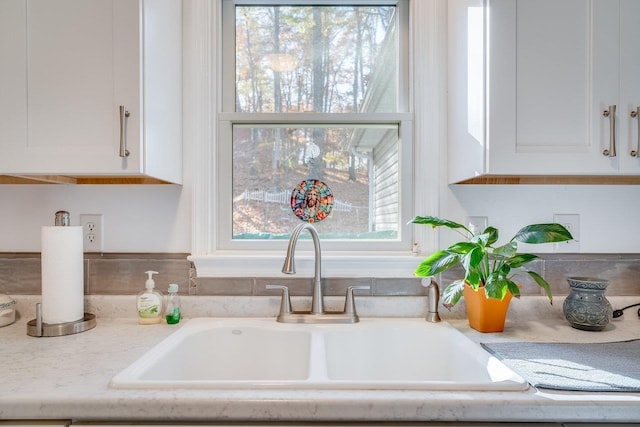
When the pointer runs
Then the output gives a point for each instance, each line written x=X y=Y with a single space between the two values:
x=203 y=102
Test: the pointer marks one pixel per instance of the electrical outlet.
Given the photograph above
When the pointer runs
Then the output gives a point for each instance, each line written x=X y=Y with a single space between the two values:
x=477 y=224
x=572 y=223
x=92 y=228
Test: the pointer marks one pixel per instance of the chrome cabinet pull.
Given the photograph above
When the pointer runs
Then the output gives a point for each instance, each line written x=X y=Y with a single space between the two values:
x=611 y=114
x=123 y=138
x=636 y=115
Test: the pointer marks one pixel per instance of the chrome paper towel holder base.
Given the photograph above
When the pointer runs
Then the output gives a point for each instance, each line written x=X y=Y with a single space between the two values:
x=37 y=328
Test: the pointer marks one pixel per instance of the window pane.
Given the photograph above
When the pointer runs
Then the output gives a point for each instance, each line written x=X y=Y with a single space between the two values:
x=359 y=164
x=326 y=59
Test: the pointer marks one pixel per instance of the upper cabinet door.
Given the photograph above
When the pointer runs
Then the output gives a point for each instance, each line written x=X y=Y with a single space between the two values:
x=13 y=74
x=553 y=67
x=77 y=63
x=629 y=113
x=70 y=89
x=550 y=81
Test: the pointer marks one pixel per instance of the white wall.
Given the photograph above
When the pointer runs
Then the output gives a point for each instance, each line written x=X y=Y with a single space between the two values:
x=609 y=214
x=144 y=218
x=151 y=218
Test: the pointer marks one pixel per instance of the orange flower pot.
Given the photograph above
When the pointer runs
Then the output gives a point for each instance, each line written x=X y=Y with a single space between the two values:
x=485 y=314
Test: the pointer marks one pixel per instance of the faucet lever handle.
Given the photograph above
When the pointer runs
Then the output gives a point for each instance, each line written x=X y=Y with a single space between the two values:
x=349 y=303
x=285 y=303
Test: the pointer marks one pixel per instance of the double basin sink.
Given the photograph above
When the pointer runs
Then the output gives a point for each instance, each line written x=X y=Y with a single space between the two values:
x=376 y=353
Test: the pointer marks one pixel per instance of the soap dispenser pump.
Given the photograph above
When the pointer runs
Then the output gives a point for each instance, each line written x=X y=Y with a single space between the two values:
x=149 y=302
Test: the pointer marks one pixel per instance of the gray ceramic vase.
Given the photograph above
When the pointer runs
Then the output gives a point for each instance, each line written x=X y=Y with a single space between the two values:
x=586 y=307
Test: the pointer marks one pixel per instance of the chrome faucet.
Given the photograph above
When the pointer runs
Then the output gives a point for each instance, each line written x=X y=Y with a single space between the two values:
x=289 y=267
x=317 y=313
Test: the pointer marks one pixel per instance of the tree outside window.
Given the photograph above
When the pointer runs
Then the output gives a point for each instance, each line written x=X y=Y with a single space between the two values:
x=299 y=71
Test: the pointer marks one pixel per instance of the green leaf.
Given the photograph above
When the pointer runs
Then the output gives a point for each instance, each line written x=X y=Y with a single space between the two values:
x=472 y=262
x=473 y=278
x=507 y=250
x=487 y=238
x=496 y=285
x=473 y=258
x=462 y=248
x=514 y=289
x=452 y=293
x=543 y=233
x=436 y=263
x=435 y=221
x=505 y=269
x=480 y=239
x=542 y=283
x=520 y=259
x=493 y=235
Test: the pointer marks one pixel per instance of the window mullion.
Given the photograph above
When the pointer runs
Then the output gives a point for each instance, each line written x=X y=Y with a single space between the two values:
x=313 y=118
x=313 y=2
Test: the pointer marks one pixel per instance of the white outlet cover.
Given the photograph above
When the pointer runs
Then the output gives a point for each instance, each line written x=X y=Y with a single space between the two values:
x=92 y=232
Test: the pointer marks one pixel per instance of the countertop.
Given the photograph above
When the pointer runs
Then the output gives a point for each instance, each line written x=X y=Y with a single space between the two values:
x=67 y=378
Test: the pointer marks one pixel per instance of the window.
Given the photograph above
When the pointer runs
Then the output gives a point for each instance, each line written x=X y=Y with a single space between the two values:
x=211 y=116
x=315 y=92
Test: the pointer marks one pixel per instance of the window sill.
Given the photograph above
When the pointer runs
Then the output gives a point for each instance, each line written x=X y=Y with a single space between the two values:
x=334 y=264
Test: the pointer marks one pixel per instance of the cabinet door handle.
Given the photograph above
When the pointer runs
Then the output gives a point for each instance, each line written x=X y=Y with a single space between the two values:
x=611 y=114
x=123 y=137
x=636 y=115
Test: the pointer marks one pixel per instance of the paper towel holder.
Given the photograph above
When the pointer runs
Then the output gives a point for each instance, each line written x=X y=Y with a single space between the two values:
x=63 y=219
x=37 y=328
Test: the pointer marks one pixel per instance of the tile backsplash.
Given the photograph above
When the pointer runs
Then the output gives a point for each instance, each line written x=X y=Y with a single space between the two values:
x=123 y=274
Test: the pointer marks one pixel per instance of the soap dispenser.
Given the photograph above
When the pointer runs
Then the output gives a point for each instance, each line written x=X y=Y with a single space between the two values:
x=149 y=303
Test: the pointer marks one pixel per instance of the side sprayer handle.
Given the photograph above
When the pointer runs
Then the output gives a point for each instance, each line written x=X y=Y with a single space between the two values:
x=285 y=303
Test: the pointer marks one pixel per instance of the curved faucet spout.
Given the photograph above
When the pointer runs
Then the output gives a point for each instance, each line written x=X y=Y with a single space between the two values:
x=317 y=306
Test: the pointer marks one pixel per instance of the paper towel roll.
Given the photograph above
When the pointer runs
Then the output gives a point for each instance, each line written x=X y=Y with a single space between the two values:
x=62 y=274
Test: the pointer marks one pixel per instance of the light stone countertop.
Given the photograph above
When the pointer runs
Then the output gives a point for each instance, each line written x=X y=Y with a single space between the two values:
x=67 y=378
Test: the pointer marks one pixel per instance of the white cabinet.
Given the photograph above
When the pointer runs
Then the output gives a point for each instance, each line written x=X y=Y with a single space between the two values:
x=629 y=86
x=530 y=81
x=68 y=66
x=13 y=75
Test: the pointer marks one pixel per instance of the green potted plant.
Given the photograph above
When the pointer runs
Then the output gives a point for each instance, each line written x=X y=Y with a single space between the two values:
x=487 y=267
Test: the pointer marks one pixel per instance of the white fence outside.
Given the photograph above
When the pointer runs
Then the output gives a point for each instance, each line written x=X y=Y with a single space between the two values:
x=284 y=198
